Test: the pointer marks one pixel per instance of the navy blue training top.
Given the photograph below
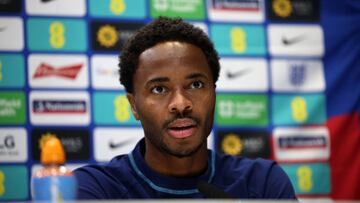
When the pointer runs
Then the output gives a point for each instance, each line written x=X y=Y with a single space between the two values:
x=129 y=177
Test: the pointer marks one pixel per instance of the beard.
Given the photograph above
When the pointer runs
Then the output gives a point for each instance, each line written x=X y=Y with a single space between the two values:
x=160 y=143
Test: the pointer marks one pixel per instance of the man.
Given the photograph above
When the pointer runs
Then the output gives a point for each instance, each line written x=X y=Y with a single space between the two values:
x=169 y=69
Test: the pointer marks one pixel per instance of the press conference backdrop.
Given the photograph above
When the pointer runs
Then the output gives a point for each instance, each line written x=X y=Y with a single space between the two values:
x=289 y=87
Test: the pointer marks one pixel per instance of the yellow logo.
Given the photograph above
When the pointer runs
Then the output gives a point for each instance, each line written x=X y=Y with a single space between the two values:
x=231 y=144
x=44 y=138
x=117 y=7
x=107 y=36
x=282 y=8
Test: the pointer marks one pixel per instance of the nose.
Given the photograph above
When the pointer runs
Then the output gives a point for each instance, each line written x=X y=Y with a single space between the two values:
x=180 y=103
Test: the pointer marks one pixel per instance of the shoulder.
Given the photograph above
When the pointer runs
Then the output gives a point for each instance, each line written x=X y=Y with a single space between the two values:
x=103 y=180
x=263 y=178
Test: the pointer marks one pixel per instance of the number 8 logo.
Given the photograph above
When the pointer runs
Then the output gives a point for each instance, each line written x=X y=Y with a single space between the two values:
x=2 y=183
x=57 y=38
x=121 y=105
x=304 y=174
x=299 y=111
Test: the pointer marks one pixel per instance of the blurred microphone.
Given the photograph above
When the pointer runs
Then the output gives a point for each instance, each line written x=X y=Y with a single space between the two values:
x=211 y=191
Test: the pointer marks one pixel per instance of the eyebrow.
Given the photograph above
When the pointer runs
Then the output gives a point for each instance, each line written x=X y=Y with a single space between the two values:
x=156 y=80
x=196 y=75
x=166 y=79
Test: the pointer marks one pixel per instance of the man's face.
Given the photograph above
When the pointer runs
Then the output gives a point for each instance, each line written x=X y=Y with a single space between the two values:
x=174 y=98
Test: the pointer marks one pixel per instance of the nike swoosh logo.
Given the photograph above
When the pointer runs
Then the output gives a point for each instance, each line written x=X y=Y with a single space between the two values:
x=292 y=40
x=233 y=75
x=120 y=144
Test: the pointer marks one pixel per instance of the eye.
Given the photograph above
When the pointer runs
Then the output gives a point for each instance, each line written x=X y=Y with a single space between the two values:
x=158 y=90
x=197 y=85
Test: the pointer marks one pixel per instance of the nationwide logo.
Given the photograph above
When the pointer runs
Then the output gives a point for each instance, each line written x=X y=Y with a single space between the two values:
x=59 y=107
x=56 y=106
x=242 y=5
x=301 y=144
x=236 y=11
x=46 y=70
x=294 y=10
x=75 y=142
x=251 y=144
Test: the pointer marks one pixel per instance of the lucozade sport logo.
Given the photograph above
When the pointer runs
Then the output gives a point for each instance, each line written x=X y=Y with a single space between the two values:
x=76 y=142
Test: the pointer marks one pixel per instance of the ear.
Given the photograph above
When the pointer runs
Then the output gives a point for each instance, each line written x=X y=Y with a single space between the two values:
x=131 y=100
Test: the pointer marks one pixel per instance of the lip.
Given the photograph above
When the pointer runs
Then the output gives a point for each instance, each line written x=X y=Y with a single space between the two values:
x=181 y=128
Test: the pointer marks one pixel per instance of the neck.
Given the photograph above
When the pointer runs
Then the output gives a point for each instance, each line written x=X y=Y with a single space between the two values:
x=171 y=165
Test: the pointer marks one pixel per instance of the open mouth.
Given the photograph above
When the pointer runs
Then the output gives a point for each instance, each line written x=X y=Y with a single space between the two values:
x=182 y=128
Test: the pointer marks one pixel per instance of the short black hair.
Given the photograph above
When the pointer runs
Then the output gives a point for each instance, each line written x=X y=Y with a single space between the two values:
x=161 y=30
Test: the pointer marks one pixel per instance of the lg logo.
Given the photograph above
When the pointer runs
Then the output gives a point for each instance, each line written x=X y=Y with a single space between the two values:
x=8 y=142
